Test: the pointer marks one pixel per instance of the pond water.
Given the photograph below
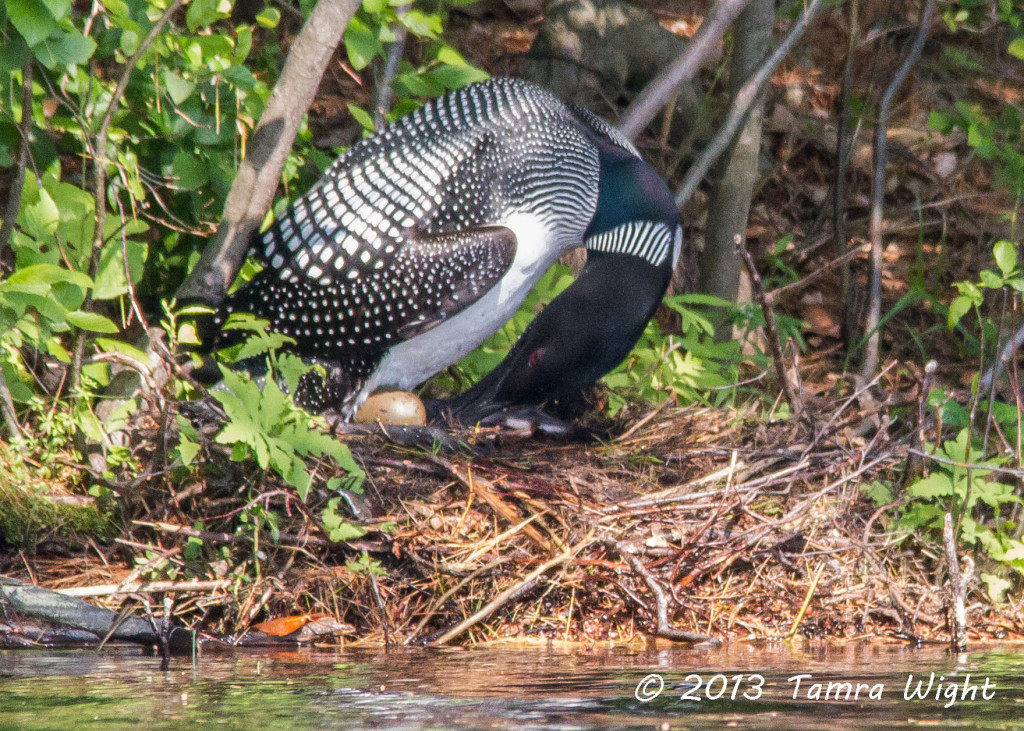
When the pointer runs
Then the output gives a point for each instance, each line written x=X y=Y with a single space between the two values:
x=740 y=685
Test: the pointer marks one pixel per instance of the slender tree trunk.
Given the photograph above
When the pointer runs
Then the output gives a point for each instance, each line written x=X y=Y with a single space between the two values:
x=729 y=205
x=254 y=186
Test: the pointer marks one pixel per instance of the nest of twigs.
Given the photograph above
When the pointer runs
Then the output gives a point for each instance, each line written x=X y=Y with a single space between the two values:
x=686 y=523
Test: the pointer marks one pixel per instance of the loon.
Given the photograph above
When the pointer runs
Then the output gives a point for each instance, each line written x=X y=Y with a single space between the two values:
x=423 y=239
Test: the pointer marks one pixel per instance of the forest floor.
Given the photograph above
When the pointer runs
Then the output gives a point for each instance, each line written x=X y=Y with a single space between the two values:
x=741 y=521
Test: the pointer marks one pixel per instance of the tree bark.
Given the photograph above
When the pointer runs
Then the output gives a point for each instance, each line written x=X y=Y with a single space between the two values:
x=254 y=186
x=729 y=205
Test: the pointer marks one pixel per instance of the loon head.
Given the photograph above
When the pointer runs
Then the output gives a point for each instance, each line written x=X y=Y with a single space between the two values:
x=632 y=243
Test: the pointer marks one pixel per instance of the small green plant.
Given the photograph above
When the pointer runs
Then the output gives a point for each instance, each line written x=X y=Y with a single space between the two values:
x=688 y=365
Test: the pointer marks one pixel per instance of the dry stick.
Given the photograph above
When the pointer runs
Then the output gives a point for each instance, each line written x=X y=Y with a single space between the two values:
x=663 y=87
x=741 y=105
x=384 y=93
x=512 y=592
x=766 y=302
x=807 y=601
x=775 y=294
x=438 y=602
x=664 y=628
x=844 y=143
x=99 y=177
x=871 y=324
x=14 y=199
x=959 y=581
x=158 y=587
x=254 y=186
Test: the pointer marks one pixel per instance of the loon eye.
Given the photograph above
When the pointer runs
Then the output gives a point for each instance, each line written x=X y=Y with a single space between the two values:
x=535 y=357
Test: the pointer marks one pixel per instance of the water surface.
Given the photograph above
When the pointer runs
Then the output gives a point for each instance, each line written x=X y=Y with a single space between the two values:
x=742 y=685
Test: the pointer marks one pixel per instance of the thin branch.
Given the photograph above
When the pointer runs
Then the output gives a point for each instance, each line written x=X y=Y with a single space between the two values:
x=99 y=174
x=844 y=143
x=872 y=323
x=741 y=107
x=663 y=87
x=14 y=199
x=384 y=91
x=796 y=404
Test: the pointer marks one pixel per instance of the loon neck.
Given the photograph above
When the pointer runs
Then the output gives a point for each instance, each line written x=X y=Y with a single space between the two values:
x=583 y=334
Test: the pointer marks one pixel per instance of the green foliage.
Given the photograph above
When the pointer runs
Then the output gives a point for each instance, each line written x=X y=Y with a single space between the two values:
x=688 y=366
x=264 y=423
x=377 y=25
x=966 y=485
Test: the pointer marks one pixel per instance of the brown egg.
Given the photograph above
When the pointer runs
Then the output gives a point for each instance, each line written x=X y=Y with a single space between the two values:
x=392 y=408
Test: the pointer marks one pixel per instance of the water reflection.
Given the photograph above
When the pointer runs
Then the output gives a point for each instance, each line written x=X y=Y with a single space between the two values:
x=747 y=685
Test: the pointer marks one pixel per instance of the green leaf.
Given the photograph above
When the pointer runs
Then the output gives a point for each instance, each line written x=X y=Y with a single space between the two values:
x=189 y=171
x=48 y=274
x=1006 y=257
x=422 y=24
x=269 y=17
x=362 y=116
x=31 y=18
x=361 y=44
x=41 y=218
x=91 y=321
x=110 y=274
x=67 y=48
x=996 y=587
x=456 y=77
x=959 y=307
x=1016 y=48
x=990 y=279
x=178 y=89
x=936 y=484
x=203 y=13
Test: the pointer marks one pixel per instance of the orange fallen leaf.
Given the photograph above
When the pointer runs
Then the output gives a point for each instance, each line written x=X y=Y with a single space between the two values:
x=283 y=626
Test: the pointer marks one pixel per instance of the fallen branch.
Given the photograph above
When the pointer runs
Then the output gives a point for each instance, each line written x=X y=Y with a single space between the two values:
x=149 y=587
x=663 y=627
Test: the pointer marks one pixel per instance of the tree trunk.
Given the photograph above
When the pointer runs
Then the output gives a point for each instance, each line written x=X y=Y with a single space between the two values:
x=729 y=204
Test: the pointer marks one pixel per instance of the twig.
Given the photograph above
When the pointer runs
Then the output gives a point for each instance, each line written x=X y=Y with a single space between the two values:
x=511 y=593
x=775 y=294
x=741 y=105
x=383 y=84
x=484 y=489
x=872 y=322
x=157 y=587
x=663 y=87
x=807 y=601
x=1019 y=474
x=18 y=182
x=957 y=585
x=844 y=143
x=439 y=602
x=796 y=403
x=1002 y=358
x=99 y=177
x=663 y=627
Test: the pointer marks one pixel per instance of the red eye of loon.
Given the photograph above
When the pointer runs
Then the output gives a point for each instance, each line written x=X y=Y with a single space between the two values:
x=535 y=357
